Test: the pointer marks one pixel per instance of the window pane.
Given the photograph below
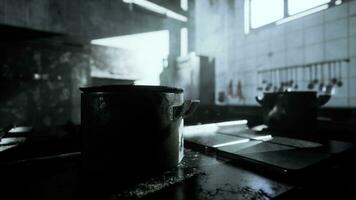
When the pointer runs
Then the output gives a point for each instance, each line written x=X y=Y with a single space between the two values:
x=266 y=11
x=296 y=6
x=184 y=5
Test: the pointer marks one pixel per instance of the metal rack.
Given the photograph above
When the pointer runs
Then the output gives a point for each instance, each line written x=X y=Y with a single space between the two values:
x=321 y=76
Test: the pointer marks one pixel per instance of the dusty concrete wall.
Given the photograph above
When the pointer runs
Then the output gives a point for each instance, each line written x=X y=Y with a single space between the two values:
x=56 y=99
x=39 y=83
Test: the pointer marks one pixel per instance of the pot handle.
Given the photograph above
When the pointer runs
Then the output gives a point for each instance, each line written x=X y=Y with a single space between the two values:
x=323 y=99
x=259 y=100
x=186 y=109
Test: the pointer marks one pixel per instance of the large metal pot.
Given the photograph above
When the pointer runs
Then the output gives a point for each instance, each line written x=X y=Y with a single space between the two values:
x=291 y=111
x=131 y=131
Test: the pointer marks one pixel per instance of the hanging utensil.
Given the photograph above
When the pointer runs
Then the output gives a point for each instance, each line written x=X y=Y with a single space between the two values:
x=272 y=80
x=334 y=80
x=311 y=82
x=269 y=85
x=286 y=82
x=285 y=88
x=296 y=79
x=280 y=79
x=275 y=82
x=316 y=74
x=329 y=87
x=322 y=84
x=291 y=81
x=275 y=87
x=339 y=83
x=263 y=78
x=259 y=75
x=230 y=89
x=304 y=74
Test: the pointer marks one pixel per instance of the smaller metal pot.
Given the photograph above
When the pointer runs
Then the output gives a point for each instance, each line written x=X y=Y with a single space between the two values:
x=291 y=111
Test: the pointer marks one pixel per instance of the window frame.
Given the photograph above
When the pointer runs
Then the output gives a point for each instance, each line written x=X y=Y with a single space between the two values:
x=249 y=29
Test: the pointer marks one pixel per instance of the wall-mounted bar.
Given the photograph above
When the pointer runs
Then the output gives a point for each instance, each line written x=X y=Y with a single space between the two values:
x=304 y=65
x=323 y=77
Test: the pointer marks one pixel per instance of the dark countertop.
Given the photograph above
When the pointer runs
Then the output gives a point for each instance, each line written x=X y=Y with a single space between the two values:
x=197 y=177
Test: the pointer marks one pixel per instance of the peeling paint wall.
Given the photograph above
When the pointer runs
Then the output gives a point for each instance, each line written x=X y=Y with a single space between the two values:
x=39 y=83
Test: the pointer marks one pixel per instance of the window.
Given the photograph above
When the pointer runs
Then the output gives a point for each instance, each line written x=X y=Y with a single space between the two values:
x=259 y=13
x=184 y=5
x=296 y=6
x=260 y=17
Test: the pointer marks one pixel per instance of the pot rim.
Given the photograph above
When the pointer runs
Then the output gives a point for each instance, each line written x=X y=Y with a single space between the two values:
x=120 y=88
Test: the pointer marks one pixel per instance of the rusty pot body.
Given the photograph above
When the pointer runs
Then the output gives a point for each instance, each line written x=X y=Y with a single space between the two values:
x=132 y=131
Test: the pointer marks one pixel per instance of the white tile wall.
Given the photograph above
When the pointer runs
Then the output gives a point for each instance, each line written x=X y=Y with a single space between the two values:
x=239 y=65
x=250 y=78
x=294 y=56
x=277 y=31
x=250 y=38
x=352 y=102
x=342 y=92
x=336 y=49
x=301 y=75
x=352 y=8
x=263 y=47
x=295 y=39
x=303 y=85
x=294 y=25
x=240 y=53
x=278 y=59
x=337 y=102
x=313 y=34
x=278 y=43
x=352 y=25
x=263 y=34
x=336 y=29
x=250 y=50
x=336 y=12
x=353 y=89
x=326 y=35
x=345 y=70
x=352 y=46
x=313 y=20
x=250 y=94
x=250 y=64
x=352 y=66
x=263 y=61
x=314 y=53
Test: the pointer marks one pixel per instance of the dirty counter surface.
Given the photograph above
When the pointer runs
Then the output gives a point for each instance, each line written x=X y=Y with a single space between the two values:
x=199 y=176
